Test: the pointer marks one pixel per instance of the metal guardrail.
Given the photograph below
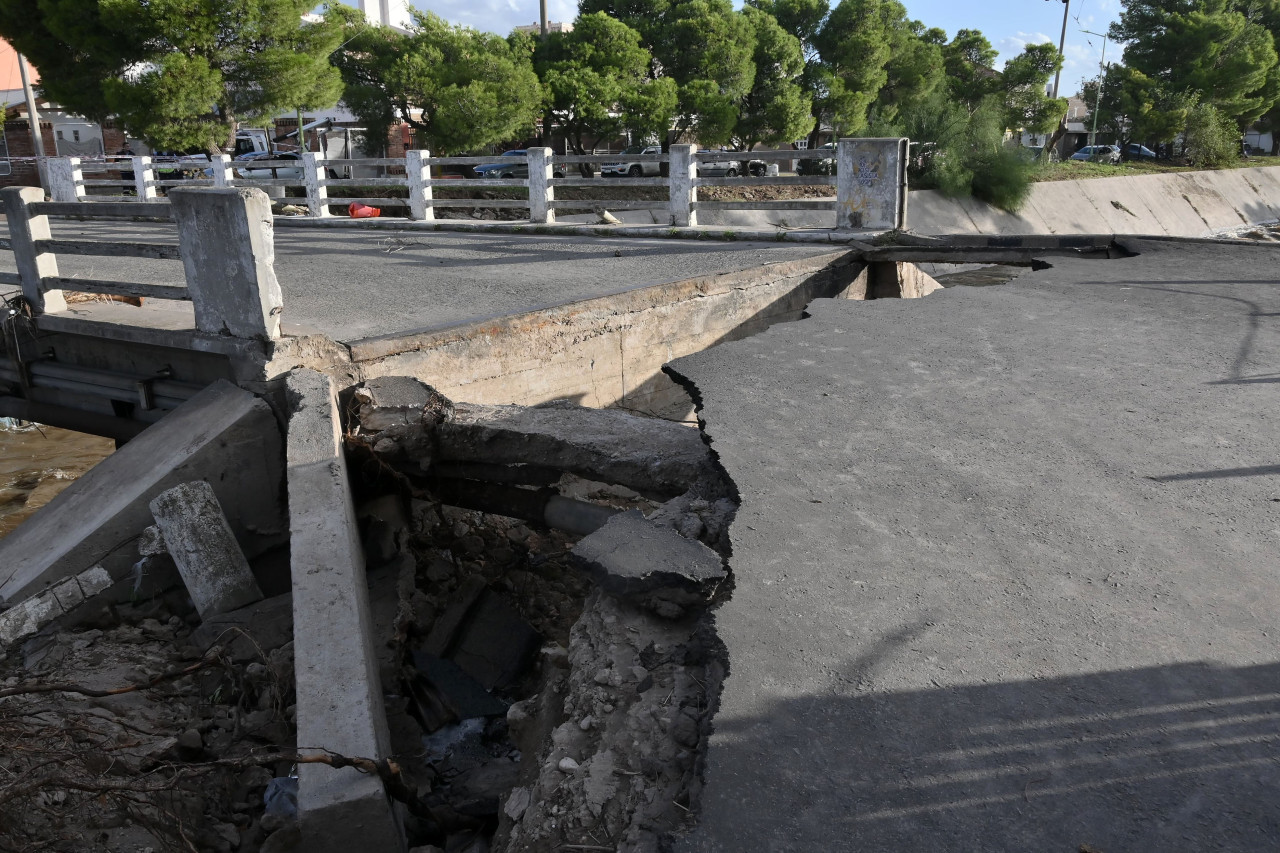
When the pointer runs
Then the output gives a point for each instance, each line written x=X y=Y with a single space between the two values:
x=869 y=179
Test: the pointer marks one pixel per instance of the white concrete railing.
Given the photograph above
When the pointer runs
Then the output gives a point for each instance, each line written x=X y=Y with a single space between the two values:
x=870 y=181
x=224 y=240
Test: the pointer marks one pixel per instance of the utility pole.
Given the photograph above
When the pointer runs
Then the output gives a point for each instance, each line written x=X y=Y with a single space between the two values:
x=1102 y=78
x=33 y=121
x=542 y=17
x=1062 y=44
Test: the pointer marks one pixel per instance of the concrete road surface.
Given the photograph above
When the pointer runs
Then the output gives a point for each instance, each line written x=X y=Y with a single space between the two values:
x=1006 y=572
x=352 y=284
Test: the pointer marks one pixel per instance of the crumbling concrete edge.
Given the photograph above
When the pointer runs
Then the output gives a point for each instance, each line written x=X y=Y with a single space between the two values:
x=339 y=695
x=32 y=614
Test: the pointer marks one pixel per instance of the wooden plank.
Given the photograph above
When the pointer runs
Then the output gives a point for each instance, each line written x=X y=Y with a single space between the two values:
x=159 y=251
x=89 y=209
x=118 y=288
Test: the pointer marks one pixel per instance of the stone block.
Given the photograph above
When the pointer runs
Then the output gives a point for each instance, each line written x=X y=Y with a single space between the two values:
x=650 y=564
x=28 y=617
x=654 y=457
x=339 y=694
x=199 y=540
x=94 y=580
x=223 y=435
x=68 y=594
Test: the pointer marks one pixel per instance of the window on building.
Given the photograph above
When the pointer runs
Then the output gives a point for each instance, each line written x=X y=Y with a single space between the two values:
x=75 y=134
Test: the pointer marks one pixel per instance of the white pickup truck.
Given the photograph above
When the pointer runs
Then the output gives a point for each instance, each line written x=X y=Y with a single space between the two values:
x=633 y=169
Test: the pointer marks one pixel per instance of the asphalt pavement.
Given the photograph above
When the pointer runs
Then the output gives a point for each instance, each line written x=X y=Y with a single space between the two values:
x=353 y=284
x=1005 y=575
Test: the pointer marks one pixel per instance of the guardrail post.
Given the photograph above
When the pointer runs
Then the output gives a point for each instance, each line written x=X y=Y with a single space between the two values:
x=313 y=172
x=65 y=179
x=683 y=193
x=144 y=178
x=222 y=175
x=871 y=183
x=541 y=193
x=418 y=171
x=228 y=251
x=34 y=266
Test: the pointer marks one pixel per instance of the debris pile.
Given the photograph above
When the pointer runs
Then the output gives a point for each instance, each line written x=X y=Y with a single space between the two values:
x=539 y=580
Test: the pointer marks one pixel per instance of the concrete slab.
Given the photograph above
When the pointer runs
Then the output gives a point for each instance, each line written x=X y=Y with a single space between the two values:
x=223 y=435
x=1004 y=570
x=340 y=706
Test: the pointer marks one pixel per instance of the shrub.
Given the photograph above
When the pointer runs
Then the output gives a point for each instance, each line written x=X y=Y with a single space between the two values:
x=1213 y=140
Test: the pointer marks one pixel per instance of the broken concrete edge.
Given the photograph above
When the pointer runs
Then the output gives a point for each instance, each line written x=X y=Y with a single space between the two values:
x=667 y=295
x=651 y=565
x=339 y=693
x=29 y=616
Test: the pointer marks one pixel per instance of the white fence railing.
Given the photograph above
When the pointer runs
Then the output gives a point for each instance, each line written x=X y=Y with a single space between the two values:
x=869 y=176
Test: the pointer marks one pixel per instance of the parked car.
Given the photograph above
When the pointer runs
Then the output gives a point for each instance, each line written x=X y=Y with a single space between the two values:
x=495 y=170
x=1098 y=154
x=518 y=169
x=633 y=169
x=245 y=167
x=1134 y=151
x=719 y=168
x=824 y=164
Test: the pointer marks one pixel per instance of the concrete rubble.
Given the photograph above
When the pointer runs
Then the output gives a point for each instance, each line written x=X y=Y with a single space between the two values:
x=488 y=632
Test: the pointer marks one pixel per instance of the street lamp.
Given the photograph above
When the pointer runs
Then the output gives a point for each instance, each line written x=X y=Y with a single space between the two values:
x=1102 y=78
x=1062 y=43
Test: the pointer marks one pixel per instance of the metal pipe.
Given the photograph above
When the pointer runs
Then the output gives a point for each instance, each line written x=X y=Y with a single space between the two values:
x=33 y=120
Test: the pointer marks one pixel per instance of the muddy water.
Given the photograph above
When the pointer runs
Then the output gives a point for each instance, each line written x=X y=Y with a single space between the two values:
x=37 y=463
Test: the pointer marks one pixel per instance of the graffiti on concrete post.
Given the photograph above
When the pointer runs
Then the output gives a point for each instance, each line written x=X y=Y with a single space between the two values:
x=871 y=184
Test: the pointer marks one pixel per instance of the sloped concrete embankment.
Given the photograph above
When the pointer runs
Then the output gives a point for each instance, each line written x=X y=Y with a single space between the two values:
x=1183 y=204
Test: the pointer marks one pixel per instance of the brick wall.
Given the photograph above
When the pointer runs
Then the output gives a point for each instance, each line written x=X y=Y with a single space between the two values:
x=23 y=172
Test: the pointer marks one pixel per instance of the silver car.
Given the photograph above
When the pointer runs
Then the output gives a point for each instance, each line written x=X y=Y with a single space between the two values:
x=1098 y=154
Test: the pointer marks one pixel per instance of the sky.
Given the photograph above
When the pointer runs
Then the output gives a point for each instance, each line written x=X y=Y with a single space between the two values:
x=1007 y=24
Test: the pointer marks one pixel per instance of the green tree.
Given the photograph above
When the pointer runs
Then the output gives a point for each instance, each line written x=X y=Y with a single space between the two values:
x=597 y=82
x=461 y=89
x=1136 y=107
x=1205 y=47
x=968 y=60
x=915 y=67
x=1022 y=85
x=777 y=109
x=854 y=44
x=708 y=49
x=178 y=73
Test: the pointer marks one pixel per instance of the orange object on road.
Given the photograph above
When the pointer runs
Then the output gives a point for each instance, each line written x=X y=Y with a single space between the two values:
x=363 y=211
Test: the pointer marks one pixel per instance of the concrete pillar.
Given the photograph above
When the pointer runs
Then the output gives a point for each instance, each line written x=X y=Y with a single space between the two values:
x=222 y=174
x=143 y=175
x=419 y=172
x=313 y=172
x=199 y=540
x=34 y=266
x=541 y=193
x=339 y=692
x=683 y=193
x=228 y=252
x=871 y=184
x=64 y=179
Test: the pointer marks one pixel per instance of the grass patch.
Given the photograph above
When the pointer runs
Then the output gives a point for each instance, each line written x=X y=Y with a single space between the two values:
x=1075 y=170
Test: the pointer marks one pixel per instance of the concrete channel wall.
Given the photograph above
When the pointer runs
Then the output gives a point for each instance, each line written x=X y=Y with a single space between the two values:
x=610 y=351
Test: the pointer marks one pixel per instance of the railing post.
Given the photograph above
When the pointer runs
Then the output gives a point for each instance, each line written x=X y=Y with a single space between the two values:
x=222 y=175
x=227 y=244
x=541 y=193
x=144 y=178
x=65 y=179
x=871 y=183
x=34 y=265
x=418 y=171
x=313 y=172
x=683 y=193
